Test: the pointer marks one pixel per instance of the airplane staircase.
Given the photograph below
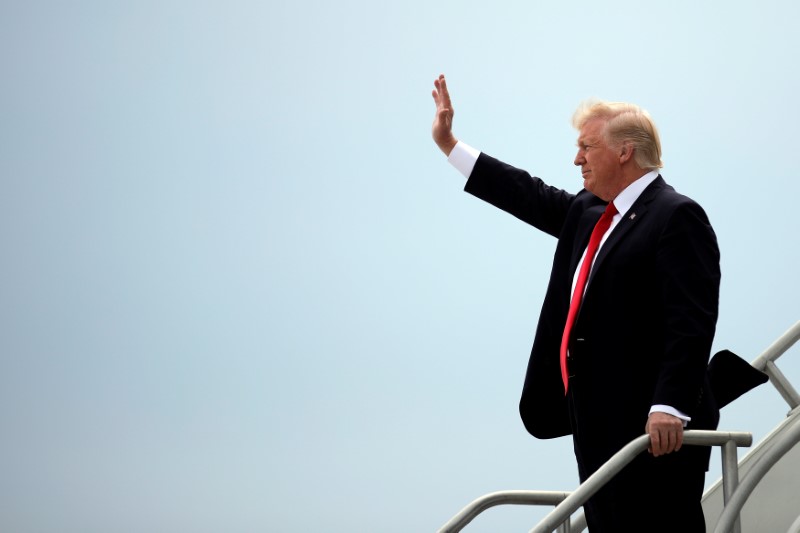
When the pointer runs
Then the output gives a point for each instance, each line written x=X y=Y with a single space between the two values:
x=760 y=493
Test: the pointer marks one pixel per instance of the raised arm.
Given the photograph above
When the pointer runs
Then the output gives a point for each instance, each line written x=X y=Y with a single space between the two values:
x=442 y=129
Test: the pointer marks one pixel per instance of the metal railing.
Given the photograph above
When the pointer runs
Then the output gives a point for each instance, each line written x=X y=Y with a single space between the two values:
x=733 y=506
x=728 y=520
x=766 y=363
x=504 y=497
x=730 y=468
x=567 y=503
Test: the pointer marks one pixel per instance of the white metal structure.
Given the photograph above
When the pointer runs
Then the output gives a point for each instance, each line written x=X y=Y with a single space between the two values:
x=770 y=498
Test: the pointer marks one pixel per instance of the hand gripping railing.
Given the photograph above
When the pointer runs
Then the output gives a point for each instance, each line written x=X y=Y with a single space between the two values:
x=567 y=503
x=730 y=470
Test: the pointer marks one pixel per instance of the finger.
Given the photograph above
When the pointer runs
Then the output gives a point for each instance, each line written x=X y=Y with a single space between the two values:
x=442 y=105
x=441 y=90
x=679 y=439
x=444 y=91
x=672 y=440
x=655 y=442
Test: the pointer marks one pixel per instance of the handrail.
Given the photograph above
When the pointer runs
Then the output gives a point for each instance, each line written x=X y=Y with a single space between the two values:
x=620 y=459
x=779 y=347
x=567 y=503
x=766 y=363
x=733 y=508
x=505 y=497
x=734 y=496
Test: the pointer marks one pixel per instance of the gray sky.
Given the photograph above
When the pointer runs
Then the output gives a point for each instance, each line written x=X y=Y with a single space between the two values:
x=241 y=290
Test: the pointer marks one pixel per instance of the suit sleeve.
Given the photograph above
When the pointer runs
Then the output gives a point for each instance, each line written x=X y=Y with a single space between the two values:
x=688 y=270
x=515 y=191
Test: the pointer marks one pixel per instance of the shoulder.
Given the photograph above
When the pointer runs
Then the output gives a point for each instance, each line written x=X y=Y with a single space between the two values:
x=663 y=199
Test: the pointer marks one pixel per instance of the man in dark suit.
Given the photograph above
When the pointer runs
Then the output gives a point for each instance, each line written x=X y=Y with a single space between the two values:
x=635 y=355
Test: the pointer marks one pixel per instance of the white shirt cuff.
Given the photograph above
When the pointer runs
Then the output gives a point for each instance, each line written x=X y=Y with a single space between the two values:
x=670 y=411
x=463 y=157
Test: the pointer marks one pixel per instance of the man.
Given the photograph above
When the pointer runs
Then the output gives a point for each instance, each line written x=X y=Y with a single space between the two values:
x=625 y=332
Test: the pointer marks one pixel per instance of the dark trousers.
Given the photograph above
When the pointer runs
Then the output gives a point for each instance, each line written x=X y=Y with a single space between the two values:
x=652 y=494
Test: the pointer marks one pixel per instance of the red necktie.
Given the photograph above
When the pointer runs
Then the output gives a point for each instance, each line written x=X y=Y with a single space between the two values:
x=594 y=242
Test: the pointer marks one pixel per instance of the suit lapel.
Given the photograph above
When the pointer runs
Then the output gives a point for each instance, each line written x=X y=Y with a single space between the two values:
x=629 y=220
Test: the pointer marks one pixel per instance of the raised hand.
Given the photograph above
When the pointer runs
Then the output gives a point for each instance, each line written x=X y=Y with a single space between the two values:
x=442 y=129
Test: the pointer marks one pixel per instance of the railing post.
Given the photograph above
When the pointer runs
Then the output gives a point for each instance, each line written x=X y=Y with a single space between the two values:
x=766 y=363
x=785 y=442
x=730 y=476
x=782 y=384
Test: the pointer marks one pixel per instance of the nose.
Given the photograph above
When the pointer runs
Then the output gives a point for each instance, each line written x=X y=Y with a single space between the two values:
x=579 y=158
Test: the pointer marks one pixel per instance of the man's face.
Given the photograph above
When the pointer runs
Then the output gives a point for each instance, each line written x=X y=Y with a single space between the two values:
x=600 y=164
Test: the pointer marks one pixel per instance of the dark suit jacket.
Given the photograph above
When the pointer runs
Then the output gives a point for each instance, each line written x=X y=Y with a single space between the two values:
x=644 y=332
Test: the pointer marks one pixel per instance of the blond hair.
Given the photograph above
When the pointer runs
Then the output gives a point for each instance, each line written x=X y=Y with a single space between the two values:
x=624 y=123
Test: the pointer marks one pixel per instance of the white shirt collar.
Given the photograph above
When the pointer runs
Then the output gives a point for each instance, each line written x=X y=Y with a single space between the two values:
x=631 y=193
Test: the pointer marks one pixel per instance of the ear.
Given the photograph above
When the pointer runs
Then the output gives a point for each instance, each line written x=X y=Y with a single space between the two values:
x=625 y=153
